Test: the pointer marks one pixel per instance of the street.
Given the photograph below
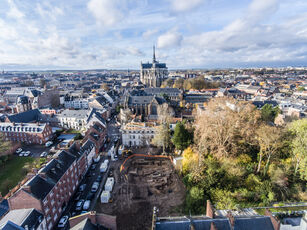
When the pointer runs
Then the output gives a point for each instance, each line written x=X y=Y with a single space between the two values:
x=90 y=177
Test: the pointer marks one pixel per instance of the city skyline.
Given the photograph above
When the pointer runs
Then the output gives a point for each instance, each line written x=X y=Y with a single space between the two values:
x=119 y=34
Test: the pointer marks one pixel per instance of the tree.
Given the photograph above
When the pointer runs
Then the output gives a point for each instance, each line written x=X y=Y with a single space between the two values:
x=105 y=87
x=301 y=88
x=165 y=113
x=4 y=144
x=269 y=141
x=178 y=83
x=182 y=138
x=189 y=161
x=55 y=101
x=269 y=113
x=162 y=136
x=299 y=146
x=167 y=83
x=226 y=128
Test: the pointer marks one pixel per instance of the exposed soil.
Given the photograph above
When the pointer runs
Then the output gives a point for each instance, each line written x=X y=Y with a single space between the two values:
x=143 y=184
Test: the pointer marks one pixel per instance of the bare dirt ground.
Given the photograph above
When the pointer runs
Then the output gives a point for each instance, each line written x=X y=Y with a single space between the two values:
x=143 y=184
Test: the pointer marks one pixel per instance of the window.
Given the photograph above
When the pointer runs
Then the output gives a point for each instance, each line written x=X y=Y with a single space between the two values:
x=55 y=217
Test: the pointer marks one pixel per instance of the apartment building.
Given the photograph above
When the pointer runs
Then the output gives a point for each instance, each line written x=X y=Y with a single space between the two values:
x=138 y=133
x=30 y=133
x=76 y=104
x=79 y=119
x=50 y=189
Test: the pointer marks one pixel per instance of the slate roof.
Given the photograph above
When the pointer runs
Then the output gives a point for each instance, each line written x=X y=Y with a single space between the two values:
x=150 y=65
x=158 y=91
x=56 y=168
x=33 y=220
x=26 y=117
x=260 y=104
x=47 y=177
x=22 y=99
x=254 y=223
x=4 y=207
x=39 y=187
x=10 y=226
x=24 y=217
x=140 y=99
x=246 y=223
x=79 y=114
x=200 y=224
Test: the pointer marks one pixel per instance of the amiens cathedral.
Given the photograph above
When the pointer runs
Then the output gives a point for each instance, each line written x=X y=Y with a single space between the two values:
x=153 y=74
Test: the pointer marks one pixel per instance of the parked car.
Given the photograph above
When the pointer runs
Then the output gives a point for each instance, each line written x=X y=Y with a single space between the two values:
x=48 y=144
x=90 y=196
x=82 y=187
x=79 y=205
x=27 y=153
x=86 y=205
x=99 y=178
x=93 y=166
x=63 y=222
x=95 y=187
x=22 y=153
x=19 y=150
x=43 y=154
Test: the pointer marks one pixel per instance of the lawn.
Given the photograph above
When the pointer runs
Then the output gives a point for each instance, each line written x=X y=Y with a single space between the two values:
x=71 y=131
x=12 y=171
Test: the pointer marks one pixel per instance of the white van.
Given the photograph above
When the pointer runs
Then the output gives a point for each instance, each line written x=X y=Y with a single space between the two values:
x=48 y=144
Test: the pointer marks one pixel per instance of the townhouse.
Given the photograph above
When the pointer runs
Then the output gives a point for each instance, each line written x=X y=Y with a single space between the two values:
x=97 y=133
x=50 y=189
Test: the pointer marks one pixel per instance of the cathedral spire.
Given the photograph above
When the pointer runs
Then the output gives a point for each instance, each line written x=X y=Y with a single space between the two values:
x=154 y=54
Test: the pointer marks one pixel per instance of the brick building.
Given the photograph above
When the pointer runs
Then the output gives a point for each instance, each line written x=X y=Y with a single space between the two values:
x=97 y=134
x=50 y=189
x=26 y=132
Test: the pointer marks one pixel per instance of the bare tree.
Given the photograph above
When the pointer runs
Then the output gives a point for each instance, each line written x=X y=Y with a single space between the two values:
x=268 y=138
x=226 y=127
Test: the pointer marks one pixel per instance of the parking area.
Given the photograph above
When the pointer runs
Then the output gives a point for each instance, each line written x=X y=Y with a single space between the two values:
x=37 y=150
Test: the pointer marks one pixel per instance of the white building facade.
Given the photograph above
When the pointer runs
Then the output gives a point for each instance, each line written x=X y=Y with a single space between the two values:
x=137 y=134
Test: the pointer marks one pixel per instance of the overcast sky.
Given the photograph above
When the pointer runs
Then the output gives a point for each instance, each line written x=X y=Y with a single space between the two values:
x=86 y=34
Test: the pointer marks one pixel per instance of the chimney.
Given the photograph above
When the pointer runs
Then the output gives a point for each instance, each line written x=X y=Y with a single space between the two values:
x=210 y=211
x=92 y=217
x=27 y=188
x=43 y=175
x=275 y=222
x=231 y=219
